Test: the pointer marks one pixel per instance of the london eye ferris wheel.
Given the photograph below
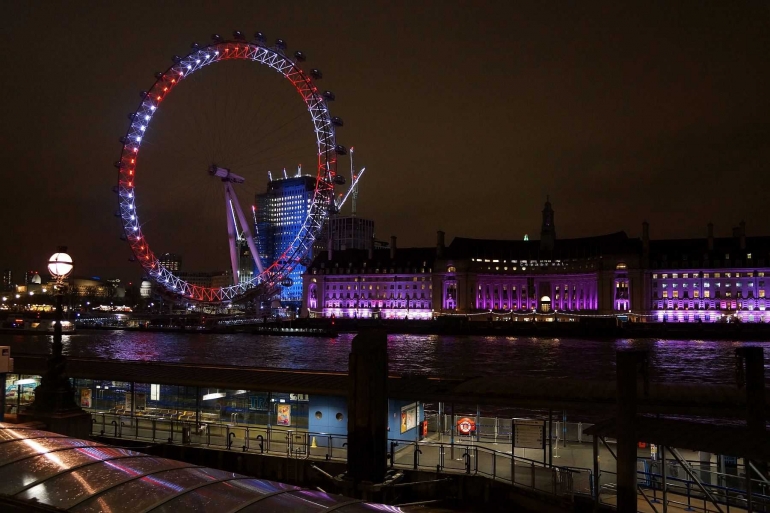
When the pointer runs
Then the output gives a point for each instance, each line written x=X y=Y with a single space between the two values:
x=225 y=131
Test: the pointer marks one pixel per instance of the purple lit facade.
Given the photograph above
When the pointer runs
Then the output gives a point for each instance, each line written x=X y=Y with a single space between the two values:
x=691 y=280
x=709 y=280
x=382 y=283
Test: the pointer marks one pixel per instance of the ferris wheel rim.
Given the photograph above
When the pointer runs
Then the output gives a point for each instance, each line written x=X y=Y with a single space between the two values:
x=323 y=194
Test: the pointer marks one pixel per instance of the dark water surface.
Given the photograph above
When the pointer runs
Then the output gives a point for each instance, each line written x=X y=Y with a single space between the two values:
x=691 y=361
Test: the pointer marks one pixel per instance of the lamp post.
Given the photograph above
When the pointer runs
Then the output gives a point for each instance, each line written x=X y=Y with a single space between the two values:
x=54 y=396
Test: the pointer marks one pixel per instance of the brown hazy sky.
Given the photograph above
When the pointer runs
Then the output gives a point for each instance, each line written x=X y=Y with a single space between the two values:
x=466 y=114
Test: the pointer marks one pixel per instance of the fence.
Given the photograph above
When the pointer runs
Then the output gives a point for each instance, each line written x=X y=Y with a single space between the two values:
x=431 y=456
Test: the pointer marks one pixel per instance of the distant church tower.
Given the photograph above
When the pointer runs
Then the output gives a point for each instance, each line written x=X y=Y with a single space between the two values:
x=548 y=229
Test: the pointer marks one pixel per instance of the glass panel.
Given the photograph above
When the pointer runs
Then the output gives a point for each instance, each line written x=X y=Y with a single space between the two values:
x=66 y=489
x=281 y=503
x=264 y=487
x=362 y=507
x=215 y=497
x=18 y=434
x=12 y=451
x=16 y=476
x=142 y=493
x=320 y=498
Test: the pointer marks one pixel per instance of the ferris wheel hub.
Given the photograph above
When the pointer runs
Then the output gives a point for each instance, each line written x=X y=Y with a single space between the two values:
x=225 y=174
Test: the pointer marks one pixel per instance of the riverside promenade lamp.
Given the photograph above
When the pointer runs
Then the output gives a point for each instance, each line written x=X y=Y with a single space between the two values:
x=54 y=398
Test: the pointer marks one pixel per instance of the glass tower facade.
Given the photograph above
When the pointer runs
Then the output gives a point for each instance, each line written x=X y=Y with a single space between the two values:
x=280 y=213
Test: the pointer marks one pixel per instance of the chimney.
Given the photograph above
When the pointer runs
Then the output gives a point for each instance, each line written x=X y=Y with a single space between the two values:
x=440 y=244
x=645 y=237
x=371 y=248
x=392 y=247
x=711 y=237
x=742 y=235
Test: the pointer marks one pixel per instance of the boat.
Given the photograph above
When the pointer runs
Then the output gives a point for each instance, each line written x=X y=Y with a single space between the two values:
x=286 y=331
x=15 y=324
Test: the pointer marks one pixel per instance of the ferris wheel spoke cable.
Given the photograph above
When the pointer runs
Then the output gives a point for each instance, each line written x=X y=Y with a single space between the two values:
x=257 y=149
x=226 y=141
x=278 y=159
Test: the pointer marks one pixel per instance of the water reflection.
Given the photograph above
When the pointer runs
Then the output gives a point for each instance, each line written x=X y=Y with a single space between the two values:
x=461 y=356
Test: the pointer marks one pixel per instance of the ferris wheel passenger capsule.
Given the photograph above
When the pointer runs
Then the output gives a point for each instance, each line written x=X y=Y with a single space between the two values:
x=316 y=74
x=159 y=75
x=300 y=56
x=238 y=35
x=340 y=150
x=216 y=38
x=337 y=121
x=339 y=179
x=177 y=59
x=329 y=96
x=195 y=46
x=280 y=44
x=123 y=140
x=259 y=37
x=143 y=94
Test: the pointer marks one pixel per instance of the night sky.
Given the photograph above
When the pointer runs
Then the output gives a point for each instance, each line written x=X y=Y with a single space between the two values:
x=465 y=114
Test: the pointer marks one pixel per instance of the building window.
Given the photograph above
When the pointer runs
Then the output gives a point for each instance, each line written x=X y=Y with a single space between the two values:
x=665 y=293
x=717 y=275
x=655 y=276
x=707 y=293
x=675 y=275
x=696 y=294
x=748 y=255
x=676 y=294
x=685 y=275
x=761 y=292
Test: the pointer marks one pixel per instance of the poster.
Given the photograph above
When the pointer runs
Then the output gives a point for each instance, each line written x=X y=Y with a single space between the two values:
x=85 y=397
x=283 y=415
x=408 y=417
x=141 y=401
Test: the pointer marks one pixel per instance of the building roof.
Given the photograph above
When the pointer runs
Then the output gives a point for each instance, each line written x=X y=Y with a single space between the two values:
x=684 y=399
x=43 y=470
x=358 y=258
x=733 y=440
x=695 y=250
x=616 y=243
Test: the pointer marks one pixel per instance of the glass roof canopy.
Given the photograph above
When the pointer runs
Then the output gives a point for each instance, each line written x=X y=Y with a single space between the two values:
x=85 y=476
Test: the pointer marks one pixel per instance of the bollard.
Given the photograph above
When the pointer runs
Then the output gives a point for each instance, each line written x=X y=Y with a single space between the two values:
x=261 y=444
x=171 y=432
x=230 y=437
x=417 y=453
x=467 y=458
x=93 y=422
x=533 y=474
x=122 y=425
x=115 y=423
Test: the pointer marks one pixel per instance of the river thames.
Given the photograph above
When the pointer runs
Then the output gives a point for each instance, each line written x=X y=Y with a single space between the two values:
x=686 y=361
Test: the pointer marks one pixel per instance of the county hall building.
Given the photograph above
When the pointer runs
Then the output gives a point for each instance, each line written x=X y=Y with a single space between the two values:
x=678 y=280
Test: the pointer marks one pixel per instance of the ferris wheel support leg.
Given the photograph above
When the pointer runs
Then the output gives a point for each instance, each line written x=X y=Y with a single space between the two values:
x=247 y=234
x=231 y=235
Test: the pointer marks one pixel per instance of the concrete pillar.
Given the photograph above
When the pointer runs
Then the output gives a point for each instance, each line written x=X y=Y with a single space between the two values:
x=626 y=369
x=754 y=378
x=368 y=407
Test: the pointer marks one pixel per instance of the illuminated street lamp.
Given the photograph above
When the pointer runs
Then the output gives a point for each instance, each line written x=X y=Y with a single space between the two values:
x=54 y=396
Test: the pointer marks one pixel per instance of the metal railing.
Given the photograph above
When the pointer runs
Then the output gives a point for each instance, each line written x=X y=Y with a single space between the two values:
x=686 y=493
x=302 y=444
